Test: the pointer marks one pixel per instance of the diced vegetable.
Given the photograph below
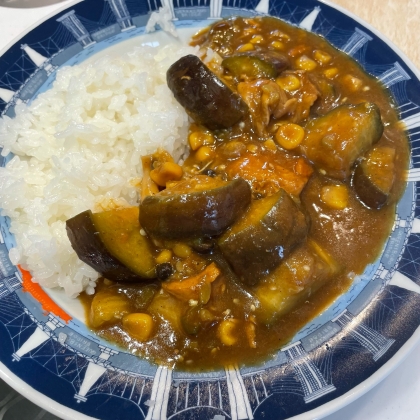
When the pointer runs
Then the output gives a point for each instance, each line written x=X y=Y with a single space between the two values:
x=168 y=171
x=228 y=331
x=334 y=141
x=249 y=66
x=263 y=237
x=138 y=325
x=374 y=176
x=168 y=309
x=289 y=135
x=108 y=307
x=335 y=196
x=111 y=243
x=299 y=276
x=203 y=95
x=195 y=207
x=191 y=287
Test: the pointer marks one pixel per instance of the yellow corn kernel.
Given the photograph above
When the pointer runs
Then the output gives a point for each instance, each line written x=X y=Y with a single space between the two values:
x=278 y=45
x=108 y=307
x=204 y=154
x=270 y=145
x=182 y=250
x=305 y=63
x=138 y=326
x=279 y=34
x=164 y=256
x=167 y=171
x=289 y=135
x=353 y=82
x=256 y=39
x=198 y=139
x=331 y=73
x=227 y=331
x=245 y=47
x=322 y=57
x=289 y=82
x=252 y=148
x=335 y=196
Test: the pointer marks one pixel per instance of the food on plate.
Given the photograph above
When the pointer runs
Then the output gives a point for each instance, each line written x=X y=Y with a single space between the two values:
x=263 y=237
x=286 y=189
x=111 y=243
x=204 y=96
x=195 y=207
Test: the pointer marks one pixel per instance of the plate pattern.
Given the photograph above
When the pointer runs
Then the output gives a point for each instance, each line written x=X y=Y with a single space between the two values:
x=338 y=350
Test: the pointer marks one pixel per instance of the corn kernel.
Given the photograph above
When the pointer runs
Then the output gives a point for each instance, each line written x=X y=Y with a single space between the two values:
x=305 y=63
x=227 y=331
x=289 y=82
x=167 y=171
x=270 y=145
x=279 y=34
x=204 y=153
x=252 y=148
x=353 y=82
x=322 y=57
x=256 y=39
x=290 y=135
x=138 y=325
x=182 y=250
x=198 y=139
x=108 y=307
x=335 y=196
x=331 y=73
x=245 y=47
x=164 y=256
x=278 y=45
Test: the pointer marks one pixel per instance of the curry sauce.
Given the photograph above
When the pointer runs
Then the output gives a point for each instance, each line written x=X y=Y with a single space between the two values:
x=304 y=183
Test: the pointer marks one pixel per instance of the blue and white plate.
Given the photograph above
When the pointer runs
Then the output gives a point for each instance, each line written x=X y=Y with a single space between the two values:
x=62 y=366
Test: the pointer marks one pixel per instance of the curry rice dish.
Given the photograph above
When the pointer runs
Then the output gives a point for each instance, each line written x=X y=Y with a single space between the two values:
x=296 y=162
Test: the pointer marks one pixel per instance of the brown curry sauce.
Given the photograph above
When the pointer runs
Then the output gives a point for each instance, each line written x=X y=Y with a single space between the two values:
x=186 y=332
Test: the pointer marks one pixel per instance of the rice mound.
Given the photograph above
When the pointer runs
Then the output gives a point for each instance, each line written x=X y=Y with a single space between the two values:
x=78 y=146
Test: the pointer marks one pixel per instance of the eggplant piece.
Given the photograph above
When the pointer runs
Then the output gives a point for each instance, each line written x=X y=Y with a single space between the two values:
x=278 y=60
x=256 y=64
x=204 y=96
x=374 y=177
x=336 y=140
x=263 y=237
x=249 y=66
x=306 y=269
x=111 y=243
x=196 y=207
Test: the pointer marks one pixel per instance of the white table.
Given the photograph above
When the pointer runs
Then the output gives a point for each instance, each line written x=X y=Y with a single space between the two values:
x=397 y=397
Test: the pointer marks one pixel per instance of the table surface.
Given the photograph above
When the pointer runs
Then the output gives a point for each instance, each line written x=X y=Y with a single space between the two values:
x=394 y=398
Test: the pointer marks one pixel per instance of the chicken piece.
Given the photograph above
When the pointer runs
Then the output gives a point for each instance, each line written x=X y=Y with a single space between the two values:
x=265 y=99
x=267 y=175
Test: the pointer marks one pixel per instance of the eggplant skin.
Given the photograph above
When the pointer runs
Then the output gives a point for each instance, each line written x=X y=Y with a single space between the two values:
x=203 y=95
x=195 y=214
x=258 y=242
x=85 y=241
x=336 y=140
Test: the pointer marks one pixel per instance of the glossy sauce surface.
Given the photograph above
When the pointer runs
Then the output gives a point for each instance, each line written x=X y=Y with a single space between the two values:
x=219 y=320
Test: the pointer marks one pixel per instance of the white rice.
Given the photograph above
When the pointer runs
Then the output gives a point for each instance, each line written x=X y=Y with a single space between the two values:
x=78 y=147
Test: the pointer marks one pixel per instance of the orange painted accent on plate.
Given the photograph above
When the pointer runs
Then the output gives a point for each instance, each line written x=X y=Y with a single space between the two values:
x=39 y=294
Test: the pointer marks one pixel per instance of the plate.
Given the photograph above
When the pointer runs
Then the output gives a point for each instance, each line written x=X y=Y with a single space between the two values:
x=335 y=358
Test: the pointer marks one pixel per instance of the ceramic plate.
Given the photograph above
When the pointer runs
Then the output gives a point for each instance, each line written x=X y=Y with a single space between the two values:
x=48 y=354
